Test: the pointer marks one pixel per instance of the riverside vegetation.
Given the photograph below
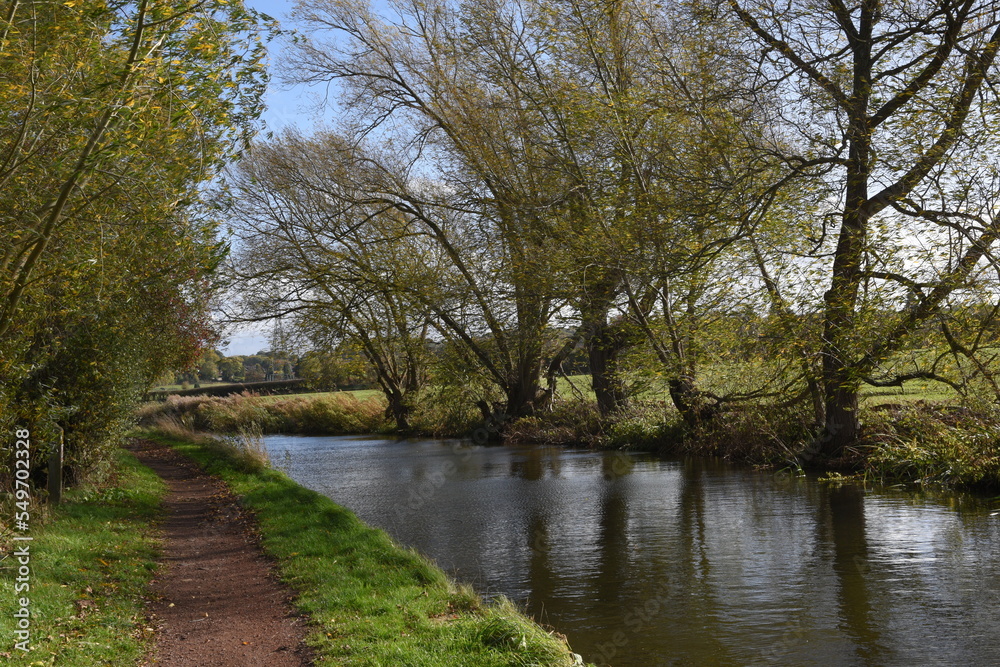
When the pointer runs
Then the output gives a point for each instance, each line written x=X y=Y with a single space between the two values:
x=688 y=201
x=370 y=601
x=909 y=440
x=689 y=195
x=92 y=561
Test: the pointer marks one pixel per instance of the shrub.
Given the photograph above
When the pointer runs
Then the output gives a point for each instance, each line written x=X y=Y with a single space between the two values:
x=932 y=444
x=647 y=425
x=230 y=414
x=331 y=413
x=444 y=410
x=570 y=422
x=754 y=432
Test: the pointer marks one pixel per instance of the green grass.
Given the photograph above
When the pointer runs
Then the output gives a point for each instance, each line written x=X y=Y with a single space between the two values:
x=912 y=390
x=189 y=385
x=91 y=562
x=583 y=384
x=372 y=602
x=359 y=394
x=933 y=445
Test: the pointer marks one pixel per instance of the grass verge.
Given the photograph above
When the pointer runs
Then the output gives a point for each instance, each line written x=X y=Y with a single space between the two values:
x=372 y=602
x=91 y=562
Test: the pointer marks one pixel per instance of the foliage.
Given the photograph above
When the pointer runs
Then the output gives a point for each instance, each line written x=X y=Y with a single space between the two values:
x=247 y=413
x=445 y=410
x=933 y=445
x=570 y=422
x=885 y=109
x=342 y=369
x=113 y=118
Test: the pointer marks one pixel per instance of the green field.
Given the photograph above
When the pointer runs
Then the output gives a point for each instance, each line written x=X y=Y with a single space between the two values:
x=911 y=391
x=359 y=394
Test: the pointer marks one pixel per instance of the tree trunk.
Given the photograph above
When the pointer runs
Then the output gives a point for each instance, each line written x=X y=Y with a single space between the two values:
x=524 y=395
x=842 y=424
x=605 y=346
x=398 y=409
x=690 y=403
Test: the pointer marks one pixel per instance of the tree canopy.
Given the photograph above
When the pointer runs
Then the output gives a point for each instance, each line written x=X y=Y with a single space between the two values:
x=114 y=118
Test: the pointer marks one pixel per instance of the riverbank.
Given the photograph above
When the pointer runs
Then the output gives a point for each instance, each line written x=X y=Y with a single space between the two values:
x=370 y=601
x=918 y=442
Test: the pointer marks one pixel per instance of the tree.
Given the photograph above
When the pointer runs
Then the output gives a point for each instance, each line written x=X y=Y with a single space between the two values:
x=149 y=80
x=343 y=368
x=887 y=106
x=479 y=200
x=231 y=369
x=208 y=365
x=342 y=272
x=112 y=119
x=654 y=125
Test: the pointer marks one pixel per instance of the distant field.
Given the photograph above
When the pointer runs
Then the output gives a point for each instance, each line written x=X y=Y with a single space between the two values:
x=912 y=390
x=360 y=394
x=180 y=387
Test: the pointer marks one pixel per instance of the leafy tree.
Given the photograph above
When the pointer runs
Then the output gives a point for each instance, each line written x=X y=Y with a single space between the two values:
x=231 y=369
x=600 y=149
x=480 y=128
x=112 y=118
x=887 y=108
x=345 y=367
x=342 y=272
x=208 y=365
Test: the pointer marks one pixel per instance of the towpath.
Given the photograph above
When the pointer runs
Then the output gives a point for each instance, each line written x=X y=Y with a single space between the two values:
x=216 y=600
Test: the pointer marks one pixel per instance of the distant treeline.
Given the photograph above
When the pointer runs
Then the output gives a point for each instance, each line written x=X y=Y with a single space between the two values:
x=262 y=388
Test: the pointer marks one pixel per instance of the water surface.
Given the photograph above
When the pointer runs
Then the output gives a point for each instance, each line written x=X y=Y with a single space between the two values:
x=644 y=562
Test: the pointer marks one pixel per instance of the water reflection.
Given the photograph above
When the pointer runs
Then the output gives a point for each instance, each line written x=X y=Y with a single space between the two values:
x=841 y=522
x=647 y=562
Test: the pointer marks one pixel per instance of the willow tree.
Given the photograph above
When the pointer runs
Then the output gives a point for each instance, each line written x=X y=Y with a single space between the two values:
x=476 y=183
x=547 y=126
x=315 y=252
x=655 y=123
x=891 y=106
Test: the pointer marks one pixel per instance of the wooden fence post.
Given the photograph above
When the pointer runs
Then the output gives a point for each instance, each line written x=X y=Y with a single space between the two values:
x=55 y=470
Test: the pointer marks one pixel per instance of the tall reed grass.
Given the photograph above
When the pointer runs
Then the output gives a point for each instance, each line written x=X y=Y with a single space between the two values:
x=933 y=444
x=248 y=413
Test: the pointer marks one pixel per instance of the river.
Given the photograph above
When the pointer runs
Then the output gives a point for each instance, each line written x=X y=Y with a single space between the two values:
x=643 y=562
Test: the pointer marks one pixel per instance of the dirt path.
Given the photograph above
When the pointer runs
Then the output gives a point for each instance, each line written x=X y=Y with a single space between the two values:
x=216 y=601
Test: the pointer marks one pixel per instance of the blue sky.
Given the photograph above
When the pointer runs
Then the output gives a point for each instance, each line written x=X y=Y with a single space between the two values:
x=286 y=106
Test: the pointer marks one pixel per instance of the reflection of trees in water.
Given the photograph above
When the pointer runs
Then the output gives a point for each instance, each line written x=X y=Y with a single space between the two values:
x=531 y=463
x=841 y=523
x=698 y=605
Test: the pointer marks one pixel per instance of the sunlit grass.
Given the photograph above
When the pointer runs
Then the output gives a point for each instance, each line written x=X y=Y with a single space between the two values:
x=359 y=394
x=91 y=563
x=910 y=391
x=320 y=413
